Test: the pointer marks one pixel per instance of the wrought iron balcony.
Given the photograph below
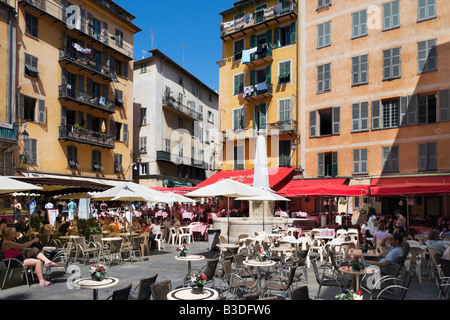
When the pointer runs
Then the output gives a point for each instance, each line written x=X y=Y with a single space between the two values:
x=86 y=62
x=8 y=131
x=262 y=56
x=279 y=127
x=259 y=91
x=178 y=105
x=239 y=134
x=66 y=92
x=163 y=155
x=81 y=135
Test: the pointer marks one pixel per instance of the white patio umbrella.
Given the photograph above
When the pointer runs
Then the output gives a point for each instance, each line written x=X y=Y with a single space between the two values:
x=266 y=196
x=179 y=198
x=9 y=185
x=227 y=188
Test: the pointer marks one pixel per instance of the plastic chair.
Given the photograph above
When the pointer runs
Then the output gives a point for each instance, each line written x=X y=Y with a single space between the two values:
x=415 y=258
x=182 y=235
x=159 y=238
x=144 y=245
x=172 y=238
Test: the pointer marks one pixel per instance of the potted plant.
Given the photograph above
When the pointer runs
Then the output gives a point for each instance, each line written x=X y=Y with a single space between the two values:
x=356 y=264
x=363 y=208
x=262 y=255
x=197 y=283
x=98 y=272
x=182 y=250
x=350 y=295
x=343 y=200
x=365 y=247
x=88 y=227
x=276 y=242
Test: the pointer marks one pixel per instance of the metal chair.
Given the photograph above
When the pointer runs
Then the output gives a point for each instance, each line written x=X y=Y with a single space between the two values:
x=135 y=249
x=121 y=294
x=85 y=250
x=143 y=290
x=10 y=265
x=281 y=283
x=325 y=279
x=394 y=291
x=300 y=293
x=161 y=289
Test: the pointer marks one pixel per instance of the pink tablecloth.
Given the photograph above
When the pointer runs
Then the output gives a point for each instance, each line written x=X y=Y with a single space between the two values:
x=199 y=227
x=282 y=214
x=328 y=232
x=188 y=215
x=161 y=214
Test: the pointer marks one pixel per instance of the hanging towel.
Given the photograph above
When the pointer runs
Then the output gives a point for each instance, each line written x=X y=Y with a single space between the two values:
x=245 y=56
x=252 y=50
x=278 y=8
x=248 y=91
x=261 y=86
x=102 y=100
x=239 y=23
x=268 y=13
x=248 y=18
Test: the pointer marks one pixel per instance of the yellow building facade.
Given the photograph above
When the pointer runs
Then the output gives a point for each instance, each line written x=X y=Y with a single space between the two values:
x=75 y=88
x=258 y=82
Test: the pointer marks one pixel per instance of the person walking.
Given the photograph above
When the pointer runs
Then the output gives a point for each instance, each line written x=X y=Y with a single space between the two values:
x=72 y=208
x=16 y=210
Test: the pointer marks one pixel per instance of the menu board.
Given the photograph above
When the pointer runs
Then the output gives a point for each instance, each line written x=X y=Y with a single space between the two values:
x=52 y=214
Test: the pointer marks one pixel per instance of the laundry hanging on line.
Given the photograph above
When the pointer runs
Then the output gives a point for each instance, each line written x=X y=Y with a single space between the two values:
x=81 y=49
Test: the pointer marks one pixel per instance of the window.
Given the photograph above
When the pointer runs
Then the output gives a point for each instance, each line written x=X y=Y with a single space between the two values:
x=30 y=151
x=426 y=9
x=200 y=94
x=239 y=158
x=259 y=13
x=261 y=116
x=391 y=15
x=359 y=24
x=323 y=3
x=360 y=161
x=142 y=144
x=194 y=90
x=390 y=159
x=285 y=36
x=210 y=117
x=238 y=118
x=118 y=98
x=180 y=81
x=390 y=109
x=31 y=66
x=144 y=169
x=119 y=38
x=118 y=163
x=427 y=156
x=324 y=34
x=284 y=72
x=144 y=67
x=324 y=78
x=328 y=122
x=97 y=161
x=391 y=64
x=360 y=70
x=29 y=110
x=238 y=48
x=284 y=150
x=31 y=25
x=360 y=116
x=96 y=28
x=72 y=158
x=210 y=97
x=167 y=145
x=143 y=112
x=285 y=110
x=327 y=164
x=118 y=131
x=180 y=123
x=427 y=109
x=426 y=56
x=238 y=84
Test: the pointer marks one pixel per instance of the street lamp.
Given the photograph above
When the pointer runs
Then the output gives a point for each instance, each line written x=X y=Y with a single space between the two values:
x=24 y=136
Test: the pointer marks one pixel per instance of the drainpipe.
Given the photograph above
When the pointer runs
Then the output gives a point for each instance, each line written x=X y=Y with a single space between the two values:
x=296 y=91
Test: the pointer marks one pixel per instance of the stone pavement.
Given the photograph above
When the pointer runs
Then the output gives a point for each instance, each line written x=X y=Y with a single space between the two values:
x=163 y=263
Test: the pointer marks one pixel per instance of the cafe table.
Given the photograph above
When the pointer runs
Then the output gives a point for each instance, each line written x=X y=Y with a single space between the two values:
x=88 y=283
x=358 y=273
x=370 y=254
x=225 y=246
x=186 y=294
x=189 y=258
x=259 y=265
x=282 y=250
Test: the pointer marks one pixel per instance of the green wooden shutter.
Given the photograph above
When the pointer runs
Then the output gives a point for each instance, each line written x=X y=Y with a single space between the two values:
x=252 y=77
x=336 y=120
x=334 y=163
x=444 y=105
x=269 y=74
x=269 y=37
x=293 y=32
x=252 y=41
x=312 y=124
x=321 y=164
x=42 y=111
x=276 y=37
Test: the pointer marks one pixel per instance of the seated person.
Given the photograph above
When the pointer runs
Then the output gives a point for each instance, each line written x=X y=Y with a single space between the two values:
x=395 y=253
x=380 y=234
x=47 y=228
x=154 y=229
x=446 y=254
x=113 y=225
x=29 y=257
x=64 y=228
x=433 y=237
x=145 y=227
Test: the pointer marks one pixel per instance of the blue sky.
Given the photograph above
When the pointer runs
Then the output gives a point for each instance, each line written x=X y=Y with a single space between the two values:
x=194 y=23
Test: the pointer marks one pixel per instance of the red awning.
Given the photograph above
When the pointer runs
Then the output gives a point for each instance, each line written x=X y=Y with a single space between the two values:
x=276 y=175
x=328 y=190
x=309 y=183
x=410 y=186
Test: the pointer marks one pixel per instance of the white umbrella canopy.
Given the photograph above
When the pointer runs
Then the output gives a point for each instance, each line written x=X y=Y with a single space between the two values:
x=179 y=198
x=226 y=188
x=8 y=185
x=265 y=196
x=81 y=195
x=132 y=192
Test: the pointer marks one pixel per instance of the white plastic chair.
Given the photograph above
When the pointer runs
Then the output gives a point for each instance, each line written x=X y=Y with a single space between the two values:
x=172 y=236
x=159 y=238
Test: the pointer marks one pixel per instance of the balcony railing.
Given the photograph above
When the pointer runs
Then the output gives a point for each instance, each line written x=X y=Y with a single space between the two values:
x=281 y=127
x=86 y=62
x=8 y=131
x=82 y=97
x=179 y=106
x=239 y=134
x=259 y=91
x=268 y=16
x=55 y=12
x=81 y=135
x=261 y=56
x=178 y=159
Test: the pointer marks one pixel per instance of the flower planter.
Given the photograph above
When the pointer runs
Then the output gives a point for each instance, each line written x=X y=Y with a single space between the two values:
x=197 y=289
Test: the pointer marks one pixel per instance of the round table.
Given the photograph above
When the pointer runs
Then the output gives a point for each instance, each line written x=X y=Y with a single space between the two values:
x=259 y=264
x=370 y=254
x=349 y=270
x=282 y=250
x=225 y=246
x=186 y=294
x=88 y=283
x=189 y=258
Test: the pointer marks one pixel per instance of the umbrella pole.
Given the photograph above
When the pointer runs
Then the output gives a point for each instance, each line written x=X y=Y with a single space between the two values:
x=264 y=213
x=228 y=224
